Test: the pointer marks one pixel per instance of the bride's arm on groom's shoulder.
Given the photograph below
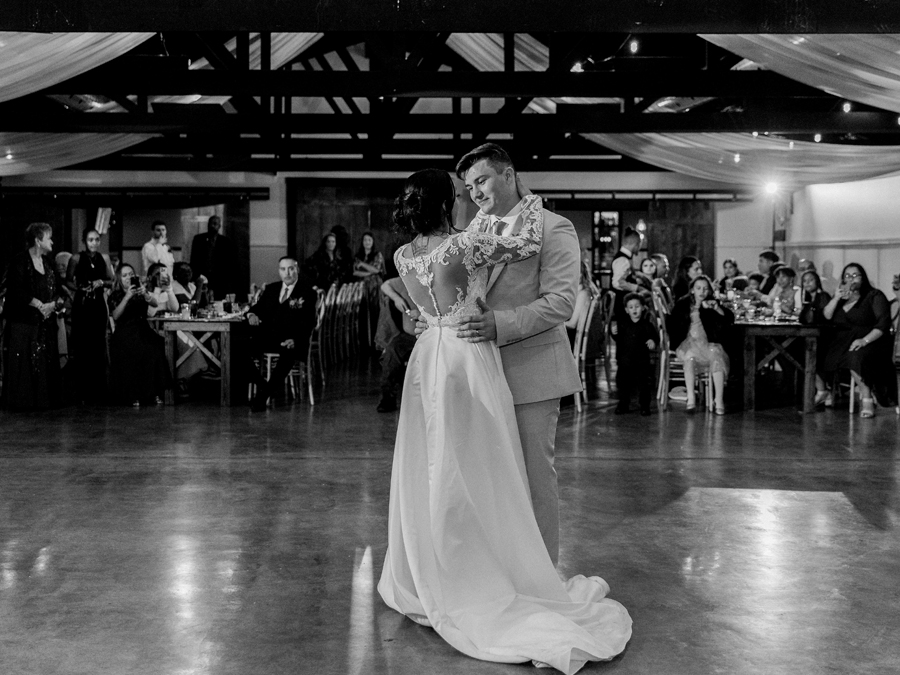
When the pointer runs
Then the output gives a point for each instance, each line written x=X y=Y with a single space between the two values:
x=560 y=261
x=485 y=248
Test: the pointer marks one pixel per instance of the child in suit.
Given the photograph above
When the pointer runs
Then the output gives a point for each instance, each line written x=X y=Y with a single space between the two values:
x=636 y=338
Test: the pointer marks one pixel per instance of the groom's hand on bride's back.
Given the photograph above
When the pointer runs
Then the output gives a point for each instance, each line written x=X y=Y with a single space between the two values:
x=480 y=327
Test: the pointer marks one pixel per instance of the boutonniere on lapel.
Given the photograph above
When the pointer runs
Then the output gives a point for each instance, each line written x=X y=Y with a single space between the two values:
x=296 y=303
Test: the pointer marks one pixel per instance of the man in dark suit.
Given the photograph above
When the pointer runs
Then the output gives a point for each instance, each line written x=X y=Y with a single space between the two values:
x=215 y=257
x=285 y=316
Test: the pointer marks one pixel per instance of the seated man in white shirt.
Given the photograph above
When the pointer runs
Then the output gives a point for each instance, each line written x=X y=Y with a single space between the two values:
x=157 y=250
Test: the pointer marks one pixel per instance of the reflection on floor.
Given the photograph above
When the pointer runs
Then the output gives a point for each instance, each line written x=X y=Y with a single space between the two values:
x=197 y=540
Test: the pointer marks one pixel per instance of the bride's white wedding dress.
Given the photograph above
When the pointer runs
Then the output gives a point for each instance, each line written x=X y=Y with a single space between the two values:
x=465 y=555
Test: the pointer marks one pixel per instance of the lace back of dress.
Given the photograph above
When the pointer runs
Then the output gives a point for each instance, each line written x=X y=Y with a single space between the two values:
x=426 y=278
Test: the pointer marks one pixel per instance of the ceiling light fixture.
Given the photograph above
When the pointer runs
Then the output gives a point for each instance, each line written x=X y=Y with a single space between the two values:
x=817 y=138
x=771 y=188
x=846 y=107
x=633 y=46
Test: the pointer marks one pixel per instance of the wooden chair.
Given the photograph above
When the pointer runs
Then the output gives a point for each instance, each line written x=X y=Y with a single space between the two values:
x=579 y=350
x=671 y=369
x=607 y=303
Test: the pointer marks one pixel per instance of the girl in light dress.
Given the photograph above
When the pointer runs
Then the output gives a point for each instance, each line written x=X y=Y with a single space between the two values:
x=698 y=325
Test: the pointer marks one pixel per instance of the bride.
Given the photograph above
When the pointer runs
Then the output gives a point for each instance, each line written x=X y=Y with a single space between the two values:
x=465 y=555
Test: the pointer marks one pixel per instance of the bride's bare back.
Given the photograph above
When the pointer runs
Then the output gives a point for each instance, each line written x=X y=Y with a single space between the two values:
x=445 y=275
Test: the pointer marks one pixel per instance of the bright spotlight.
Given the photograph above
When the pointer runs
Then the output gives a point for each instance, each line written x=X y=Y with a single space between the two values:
x=771 y=188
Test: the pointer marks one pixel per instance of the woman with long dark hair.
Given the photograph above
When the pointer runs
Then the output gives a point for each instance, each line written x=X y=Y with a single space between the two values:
x=465 y=553
x=688 y=269
x=90 y=275
x=139 y=372
x=861 y=340
x=32 y=373
x=325 y=266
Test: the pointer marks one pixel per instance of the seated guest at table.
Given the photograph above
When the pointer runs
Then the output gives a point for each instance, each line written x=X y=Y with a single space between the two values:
x=139 y=373
x=767 y=259
x=636 y=339
x=398 y=339
x=32 y=373
x=688 y=269
x=731 y=273
x=784 y=291
x=699 y=325
x=286 y=315
x=90 y=274
x=645 y=276
x=187 y=291
x=754 y=283
x=815 y=299
x=861 y=341
x=660 y=285
x=159 y=283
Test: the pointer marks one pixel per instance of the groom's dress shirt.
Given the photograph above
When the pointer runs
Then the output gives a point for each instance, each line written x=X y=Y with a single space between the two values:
x=503 y=226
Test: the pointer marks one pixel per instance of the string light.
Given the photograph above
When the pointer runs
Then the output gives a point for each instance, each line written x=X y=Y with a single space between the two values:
x=633 y=46
x=9 y=154
x=817 y=138
x=846 y=107
x=755 y=134
x=737 y=158
x=791 y=145
x=578 y=67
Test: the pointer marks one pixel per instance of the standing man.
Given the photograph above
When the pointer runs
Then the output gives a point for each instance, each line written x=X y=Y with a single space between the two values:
x=767 y=258
x=623 y=280
x=286 y=316
x=214 y=256
x=525 y=310
x=157 y=249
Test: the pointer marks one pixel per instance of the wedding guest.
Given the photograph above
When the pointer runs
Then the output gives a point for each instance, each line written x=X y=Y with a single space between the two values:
x=185 y=289
x=645 y=276
x=139 y=373
x=157 y=249
x=369 y=262
x=324 y=266
x=623 y=278
x=812 y=312
x=286 y=315
x=159 y=284
x=399 y=345
x=90 y=274
x=731 y=272
x=699 y=325
x=862 y=341
x=32 y=372
x=660 y=283
x=688 y=269
x=784 y=291
x=755 y=281
x=343 y=253
x=636 y=339
x=214 y=257
x=767 y=259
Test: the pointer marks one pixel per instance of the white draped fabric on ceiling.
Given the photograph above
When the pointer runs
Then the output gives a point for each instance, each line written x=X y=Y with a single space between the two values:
x=30 y=62
x=734 y=158
x=862 y=68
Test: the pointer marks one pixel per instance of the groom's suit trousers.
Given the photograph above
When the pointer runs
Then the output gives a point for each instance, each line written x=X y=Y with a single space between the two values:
x=537 y=429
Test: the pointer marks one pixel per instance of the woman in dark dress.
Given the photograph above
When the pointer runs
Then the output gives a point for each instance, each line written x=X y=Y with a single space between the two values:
x=325 y=266
x=32 y=370
x=688 y=269
x=138 y=365
x=89 y=275
x=861 y=340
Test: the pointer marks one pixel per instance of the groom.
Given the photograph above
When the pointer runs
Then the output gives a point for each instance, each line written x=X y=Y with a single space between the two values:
x=526 y=306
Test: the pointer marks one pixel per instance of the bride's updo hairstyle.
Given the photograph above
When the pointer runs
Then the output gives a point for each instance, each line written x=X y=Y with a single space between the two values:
x=426 y=202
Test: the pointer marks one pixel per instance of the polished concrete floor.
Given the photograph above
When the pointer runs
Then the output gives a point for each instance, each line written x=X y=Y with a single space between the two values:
x=190 y=540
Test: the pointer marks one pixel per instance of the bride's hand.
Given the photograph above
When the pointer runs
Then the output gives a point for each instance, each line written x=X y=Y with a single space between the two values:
x=521 y=188
x=478 y=327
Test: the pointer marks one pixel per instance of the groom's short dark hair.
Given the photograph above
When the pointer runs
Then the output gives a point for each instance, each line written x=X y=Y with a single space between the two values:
x=496 y=156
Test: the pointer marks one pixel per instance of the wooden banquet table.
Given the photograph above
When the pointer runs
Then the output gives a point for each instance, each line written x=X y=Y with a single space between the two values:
x=778 y=336
x=232 y=332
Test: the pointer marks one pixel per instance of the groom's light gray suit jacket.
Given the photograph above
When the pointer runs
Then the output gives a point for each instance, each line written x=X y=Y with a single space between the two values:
x=532 y=300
